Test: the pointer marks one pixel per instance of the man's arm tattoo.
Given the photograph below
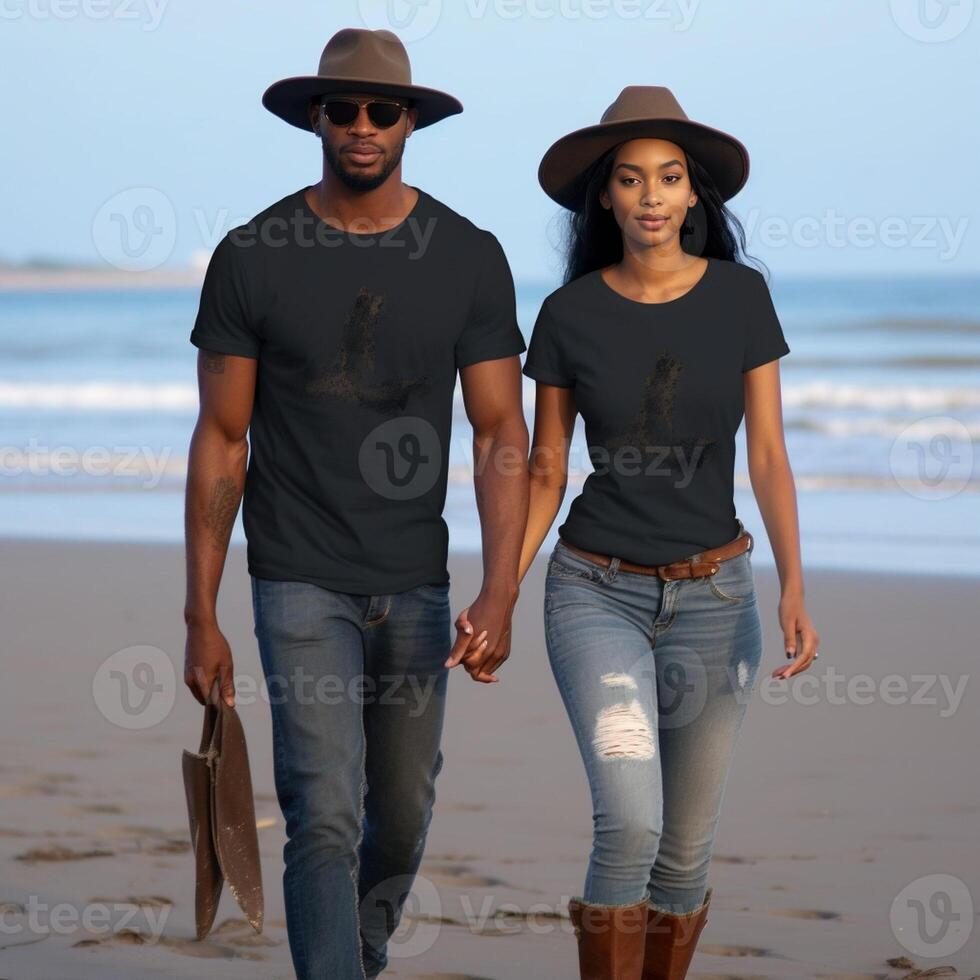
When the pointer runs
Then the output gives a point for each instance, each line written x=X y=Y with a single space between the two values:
x=222 y=507
x=213 y=362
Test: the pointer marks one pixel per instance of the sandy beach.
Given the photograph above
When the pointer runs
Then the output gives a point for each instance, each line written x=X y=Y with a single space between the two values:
x=848 y=847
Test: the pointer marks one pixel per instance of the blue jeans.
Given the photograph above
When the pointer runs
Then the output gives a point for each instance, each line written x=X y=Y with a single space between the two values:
x=655 y=677
x=357 y=688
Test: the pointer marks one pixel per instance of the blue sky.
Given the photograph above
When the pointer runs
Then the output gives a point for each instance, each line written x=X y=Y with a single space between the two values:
x=860 y=119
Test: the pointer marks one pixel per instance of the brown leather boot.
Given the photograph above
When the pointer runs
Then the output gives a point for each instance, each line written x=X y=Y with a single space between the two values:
x=670 y=941
x=611 y=939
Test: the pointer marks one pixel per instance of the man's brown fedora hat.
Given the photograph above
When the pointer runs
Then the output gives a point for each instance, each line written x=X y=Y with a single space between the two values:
x=641 y=111
x=359 y=60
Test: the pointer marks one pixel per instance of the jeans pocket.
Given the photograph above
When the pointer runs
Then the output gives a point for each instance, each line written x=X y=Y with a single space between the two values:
x=565 y=563
x=733 y=581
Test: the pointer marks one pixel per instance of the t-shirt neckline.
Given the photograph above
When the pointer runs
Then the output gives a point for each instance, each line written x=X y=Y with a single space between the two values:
x=393 y=230
x=642 y=304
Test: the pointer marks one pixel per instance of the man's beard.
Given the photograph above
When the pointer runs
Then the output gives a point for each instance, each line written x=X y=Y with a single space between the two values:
x=356 y=180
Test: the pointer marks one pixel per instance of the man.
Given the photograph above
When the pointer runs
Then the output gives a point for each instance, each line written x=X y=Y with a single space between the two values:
x=331 y=329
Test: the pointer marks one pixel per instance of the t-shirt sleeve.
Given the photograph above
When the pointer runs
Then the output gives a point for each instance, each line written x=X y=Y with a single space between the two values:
x=546 y=360
x=491 y=330
x=764 y=340
x=225 y=321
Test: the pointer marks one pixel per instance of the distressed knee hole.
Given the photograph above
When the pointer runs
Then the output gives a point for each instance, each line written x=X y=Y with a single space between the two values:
x=623 y=732
x=619 y=680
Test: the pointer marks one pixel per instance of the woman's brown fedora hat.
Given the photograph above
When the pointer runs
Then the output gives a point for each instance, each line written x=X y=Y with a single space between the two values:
x=641 y=111
x=359 y=60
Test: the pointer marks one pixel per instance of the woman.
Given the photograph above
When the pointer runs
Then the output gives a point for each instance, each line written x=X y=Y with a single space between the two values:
x=662 y=339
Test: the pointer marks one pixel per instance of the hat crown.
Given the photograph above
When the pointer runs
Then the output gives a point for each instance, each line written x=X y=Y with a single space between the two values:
x=644 y=102
x=357 y=53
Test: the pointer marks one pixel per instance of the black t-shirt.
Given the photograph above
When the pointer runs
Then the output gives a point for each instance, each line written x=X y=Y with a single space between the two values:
x=358 y=339
x=659 y=386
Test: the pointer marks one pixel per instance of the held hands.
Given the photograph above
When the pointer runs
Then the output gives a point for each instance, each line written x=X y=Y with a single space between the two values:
x=800 y=637
x=482 y=651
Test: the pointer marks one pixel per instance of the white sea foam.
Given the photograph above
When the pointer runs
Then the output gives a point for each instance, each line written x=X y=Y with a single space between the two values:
x=179 y=396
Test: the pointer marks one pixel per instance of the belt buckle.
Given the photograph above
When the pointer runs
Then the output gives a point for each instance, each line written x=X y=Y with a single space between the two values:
x=666 y=576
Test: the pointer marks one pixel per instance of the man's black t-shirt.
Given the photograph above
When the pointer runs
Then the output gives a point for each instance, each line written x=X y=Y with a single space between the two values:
x=659 y=386
x=358 y=339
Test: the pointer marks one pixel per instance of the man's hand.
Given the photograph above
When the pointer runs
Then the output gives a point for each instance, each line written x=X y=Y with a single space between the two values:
x=483 y=653
x=207 y=663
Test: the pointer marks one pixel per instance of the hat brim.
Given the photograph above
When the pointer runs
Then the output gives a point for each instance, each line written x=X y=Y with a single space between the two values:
x=289 y=98
x=563 y=168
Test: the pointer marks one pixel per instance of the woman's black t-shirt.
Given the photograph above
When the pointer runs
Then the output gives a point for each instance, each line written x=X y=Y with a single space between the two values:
x=660 y=388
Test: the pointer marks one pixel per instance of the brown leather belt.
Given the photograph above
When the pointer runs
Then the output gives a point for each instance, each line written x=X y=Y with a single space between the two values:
x=702 y=564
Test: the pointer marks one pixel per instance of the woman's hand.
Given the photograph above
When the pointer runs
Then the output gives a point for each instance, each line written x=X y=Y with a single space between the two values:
x=796 y=622
x=473 y=651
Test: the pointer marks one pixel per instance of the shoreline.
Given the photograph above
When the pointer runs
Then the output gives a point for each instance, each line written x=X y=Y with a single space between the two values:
x=112 y=280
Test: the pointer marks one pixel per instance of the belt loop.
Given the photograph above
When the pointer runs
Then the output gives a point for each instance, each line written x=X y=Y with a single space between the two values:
x=609 y=574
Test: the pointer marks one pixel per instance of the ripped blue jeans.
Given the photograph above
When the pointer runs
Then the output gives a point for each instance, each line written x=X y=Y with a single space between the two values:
x=655 y=677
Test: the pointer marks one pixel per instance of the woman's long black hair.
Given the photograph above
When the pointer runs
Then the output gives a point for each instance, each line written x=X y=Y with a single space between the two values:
x=593 y=240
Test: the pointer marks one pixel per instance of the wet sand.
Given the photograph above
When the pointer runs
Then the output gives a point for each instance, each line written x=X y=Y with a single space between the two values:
x=852 y=810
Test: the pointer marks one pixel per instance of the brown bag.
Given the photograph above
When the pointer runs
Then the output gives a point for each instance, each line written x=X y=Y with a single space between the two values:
x=221 y=810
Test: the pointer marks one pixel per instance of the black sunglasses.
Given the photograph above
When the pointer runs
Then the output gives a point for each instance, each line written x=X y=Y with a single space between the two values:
x=342 y=112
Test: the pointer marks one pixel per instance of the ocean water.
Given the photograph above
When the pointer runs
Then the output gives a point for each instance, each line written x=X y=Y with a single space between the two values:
x=881 y=396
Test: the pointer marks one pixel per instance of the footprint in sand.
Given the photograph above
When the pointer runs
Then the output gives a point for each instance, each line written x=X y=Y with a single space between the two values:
x=904 y=963
x=58 y=853
x=506 y=922
x=142 y=901
x=821 y=914
x=722 y=949
x=148 y=840
x=111 y=808
x=463 y=876
x=433 y=920
x=40 y=784
x=232 y=939
x=733 y=859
